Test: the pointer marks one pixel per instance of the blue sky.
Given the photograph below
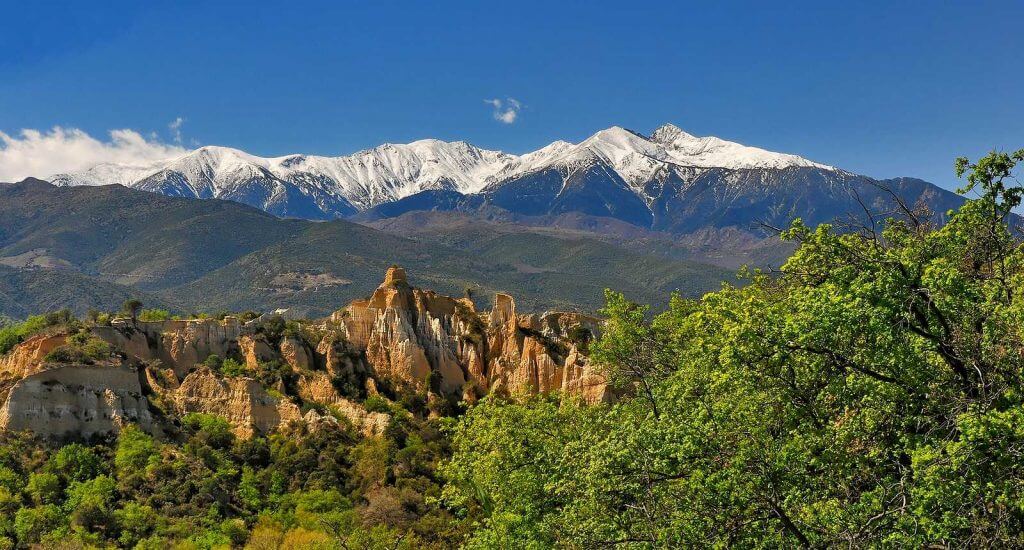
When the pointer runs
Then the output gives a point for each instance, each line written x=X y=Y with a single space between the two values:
x=880 y=88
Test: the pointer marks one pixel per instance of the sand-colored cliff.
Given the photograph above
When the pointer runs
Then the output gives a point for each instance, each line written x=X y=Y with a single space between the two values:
x=402 y=340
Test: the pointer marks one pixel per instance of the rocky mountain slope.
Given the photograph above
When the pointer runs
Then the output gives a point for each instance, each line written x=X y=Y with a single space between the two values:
x=401 y=343
x=667 y=181
x=82 y=247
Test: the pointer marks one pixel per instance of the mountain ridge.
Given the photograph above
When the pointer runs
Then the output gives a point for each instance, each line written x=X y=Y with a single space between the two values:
x=319 y=187
x=96 y=246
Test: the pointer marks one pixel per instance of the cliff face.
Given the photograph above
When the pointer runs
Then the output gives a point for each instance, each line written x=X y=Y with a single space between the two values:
x=177 y=344
x=76 y=400
x=27 y=357
x=531 y=353
x=243 y=402
x=415 y=338
x=400 y=340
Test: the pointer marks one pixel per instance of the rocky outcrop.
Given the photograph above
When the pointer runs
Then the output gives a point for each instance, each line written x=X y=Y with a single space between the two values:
x=255 y=350
x=76 y=400
x=402 y=339
x=27 y=357
x=531 y=353
x=243 y=402
x=295 y=354
x=317 y=388
x=177 y=344
x=413 y=337
x=417 y=338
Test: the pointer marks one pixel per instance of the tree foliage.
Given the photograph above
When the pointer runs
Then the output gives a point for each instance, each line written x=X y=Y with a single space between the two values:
x=868 y=395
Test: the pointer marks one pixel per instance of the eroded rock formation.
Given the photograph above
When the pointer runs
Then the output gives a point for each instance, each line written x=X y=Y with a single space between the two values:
x=401 y=341
x=75 y=400
x=243 y=402
x=414 y=337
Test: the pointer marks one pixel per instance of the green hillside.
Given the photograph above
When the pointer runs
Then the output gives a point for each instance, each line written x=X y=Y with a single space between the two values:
x=84 y=247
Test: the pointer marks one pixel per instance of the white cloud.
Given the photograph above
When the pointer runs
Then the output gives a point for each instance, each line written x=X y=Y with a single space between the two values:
x=505 y=111
x=43 y=154
x=175 y=127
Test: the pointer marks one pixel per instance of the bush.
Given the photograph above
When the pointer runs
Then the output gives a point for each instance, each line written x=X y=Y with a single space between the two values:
x=272 y=328
x=270 y=373
x=230 y=367
x=12 y=335
x=67 y=354
x=376 y=403
x=134 y=449
x=135 y=522
x=213 y=362
x=82 y=347
x=75 y=462
x=94 y=348
x=45 y=488
x=9 y=338
x=211 y=429
x=155 y=315
x=30 y=524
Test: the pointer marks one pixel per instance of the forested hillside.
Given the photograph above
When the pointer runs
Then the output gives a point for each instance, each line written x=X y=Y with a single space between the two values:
x=870 y=396
x=94 y=247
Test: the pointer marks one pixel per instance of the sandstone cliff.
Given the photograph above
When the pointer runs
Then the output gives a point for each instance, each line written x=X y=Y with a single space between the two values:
x=243 y=402
x=414 y=337
x=401 y=341
x=78 y=400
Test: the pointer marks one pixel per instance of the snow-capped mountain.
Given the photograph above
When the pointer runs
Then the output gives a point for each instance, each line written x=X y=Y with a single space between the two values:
x=336 y=186
x=668 y=181
x=326 y=187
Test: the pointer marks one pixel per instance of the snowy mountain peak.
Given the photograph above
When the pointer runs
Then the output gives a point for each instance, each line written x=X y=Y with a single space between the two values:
x=668 y=133
x=390 y=172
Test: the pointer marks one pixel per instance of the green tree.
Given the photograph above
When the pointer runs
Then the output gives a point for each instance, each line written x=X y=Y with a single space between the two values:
x=135 y=522
x=134 y=450
x=95 y=495
x=154 y=315
x=45 y=488
x=210 y=429
x=30 y=524
x=868 y=395
x=9 y=338
x=132 y=307
x=75 y=462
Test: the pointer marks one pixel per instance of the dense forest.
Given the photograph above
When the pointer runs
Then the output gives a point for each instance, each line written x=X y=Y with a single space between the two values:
x=867 y=394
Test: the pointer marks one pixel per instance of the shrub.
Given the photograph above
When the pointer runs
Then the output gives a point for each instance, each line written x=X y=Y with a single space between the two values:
x=231 y=367
x=211 y=429
x=12 y=335
x=67 y=354
x=135 y=522
x=272 y=328
x=82 y=347
x=134 y=449
x=155 y=315
x=9 y=338
x=376 y=403
x=30 y=524
x=45 y=488
x=75 y=462
x=94 y=348
x=214 y=362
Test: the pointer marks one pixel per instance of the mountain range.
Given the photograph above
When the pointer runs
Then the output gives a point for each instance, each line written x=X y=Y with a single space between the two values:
x=646 y=215
x=668 y=181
